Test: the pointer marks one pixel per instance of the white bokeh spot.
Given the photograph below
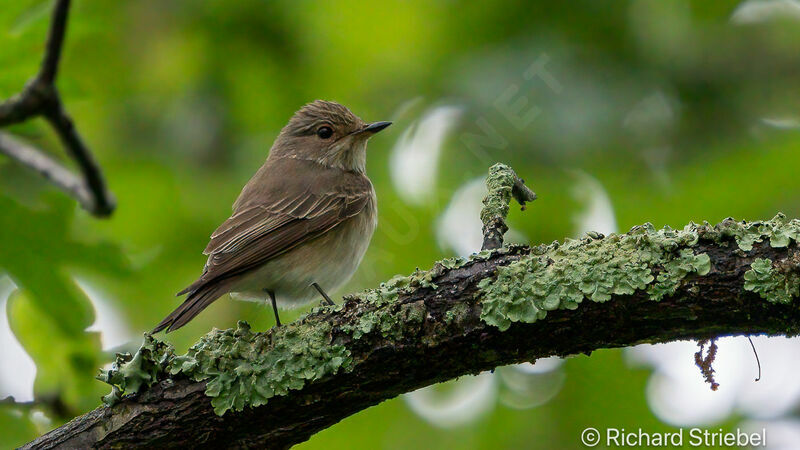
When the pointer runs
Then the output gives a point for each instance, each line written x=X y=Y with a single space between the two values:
x=17 y=369
x=760 y=11
x=414 y=160
x=678 y=395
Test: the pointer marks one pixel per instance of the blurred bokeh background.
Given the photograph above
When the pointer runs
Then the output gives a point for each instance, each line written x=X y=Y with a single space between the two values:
x=616 y=113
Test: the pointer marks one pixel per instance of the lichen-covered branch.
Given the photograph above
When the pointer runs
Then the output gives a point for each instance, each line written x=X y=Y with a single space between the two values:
x=40 y=98
x=503 y=185
x=239 y=388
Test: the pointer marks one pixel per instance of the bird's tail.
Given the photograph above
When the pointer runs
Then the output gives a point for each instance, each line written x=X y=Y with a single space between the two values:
x=197 y=301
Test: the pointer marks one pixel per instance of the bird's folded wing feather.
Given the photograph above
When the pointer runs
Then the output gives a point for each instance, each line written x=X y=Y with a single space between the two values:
x=261 y=232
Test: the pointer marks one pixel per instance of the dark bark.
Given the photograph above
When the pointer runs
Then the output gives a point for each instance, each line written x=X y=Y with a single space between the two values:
x=177 y=413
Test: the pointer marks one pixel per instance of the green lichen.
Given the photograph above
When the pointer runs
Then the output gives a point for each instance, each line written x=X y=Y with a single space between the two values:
x=389 y=291
x=130 y=373
x=503 y=185
x=496 y=203
x=483 y=255
x=779 y=231
x=594 y=235
x=676 y=270
x=456 y=314
x=451 y=263
x=241 y=368
x=390 y=322
x=770 y=283
x=562 y=276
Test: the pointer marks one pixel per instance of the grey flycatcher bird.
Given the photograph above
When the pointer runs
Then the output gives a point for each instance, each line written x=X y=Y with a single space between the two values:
x=301 y=225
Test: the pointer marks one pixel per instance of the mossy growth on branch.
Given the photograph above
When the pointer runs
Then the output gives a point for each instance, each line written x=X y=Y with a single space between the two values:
x=392 y=323
x=241 y=368
x=779 y=231
x=391 y=320
x=771 y=283
x=390 y=290
x=131 y=373
x=561 y=276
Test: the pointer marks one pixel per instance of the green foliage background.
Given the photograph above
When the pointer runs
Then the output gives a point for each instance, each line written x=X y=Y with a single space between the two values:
x=181 y=101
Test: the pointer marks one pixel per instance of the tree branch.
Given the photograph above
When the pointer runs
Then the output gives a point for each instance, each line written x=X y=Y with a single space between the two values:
x=44 y=165
x=40 y=97
x=236 y=388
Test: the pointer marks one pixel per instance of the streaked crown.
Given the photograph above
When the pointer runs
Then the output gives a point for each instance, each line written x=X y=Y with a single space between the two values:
x=321 y=112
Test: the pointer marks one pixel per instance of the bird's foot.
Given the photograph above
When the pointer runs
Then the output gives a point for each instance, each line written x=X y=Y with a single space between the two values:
x=274 y=307
x=325 y=299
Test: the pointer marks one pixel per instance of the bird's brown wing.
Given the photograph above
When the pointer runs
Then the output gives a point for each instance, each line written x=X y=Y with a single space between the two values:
x=259 y=233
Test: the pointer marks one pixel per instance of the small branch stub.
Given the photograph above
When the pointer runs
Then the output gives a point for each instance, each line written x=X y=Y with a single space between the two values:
x=503 y=185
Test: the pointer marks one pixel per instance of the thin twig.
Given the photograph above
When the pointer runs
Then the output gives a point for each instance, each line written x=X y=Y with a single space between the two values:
x=756 y=354
x=55 y=42
x=101 y=202
x=45 y=166
x=40 y=97
x=53 y=404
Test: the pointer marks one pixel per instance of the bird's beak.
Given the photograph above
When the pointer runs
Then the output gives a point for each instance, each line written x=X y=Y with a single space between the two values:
x=373 y=127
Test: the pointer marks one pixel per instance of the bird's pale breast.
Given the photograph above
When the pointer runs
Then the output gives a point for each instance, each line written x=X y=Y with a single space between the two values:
x=329 y=260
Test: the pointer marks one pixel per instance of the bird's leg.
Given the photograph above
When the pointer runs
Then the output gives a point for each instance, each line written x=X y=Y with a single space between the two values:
x=324 y=295
x=274 y=306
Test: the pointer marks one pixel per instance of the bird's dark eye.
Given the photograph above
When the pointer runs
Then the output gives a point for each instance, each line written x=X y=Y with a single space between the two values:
x=325 y=132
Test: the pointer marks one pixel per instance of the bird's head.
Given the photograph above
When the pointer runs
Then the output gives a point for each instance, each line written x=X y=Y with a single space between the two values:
x=328 y=133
